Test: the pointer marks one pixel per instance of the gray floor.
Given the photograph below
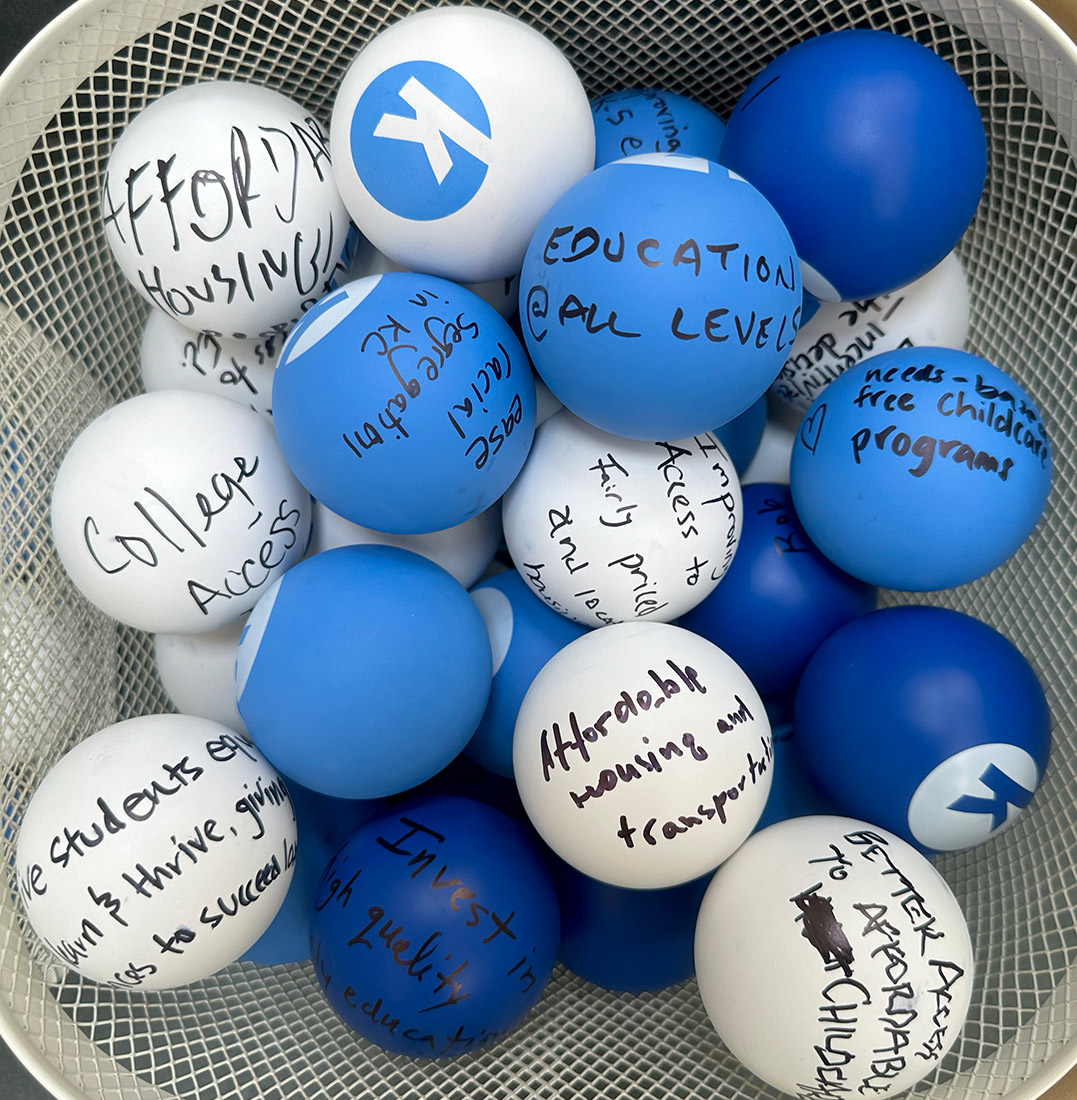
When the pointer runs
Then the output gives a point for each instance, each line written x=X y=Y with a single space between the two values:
x=19 y=21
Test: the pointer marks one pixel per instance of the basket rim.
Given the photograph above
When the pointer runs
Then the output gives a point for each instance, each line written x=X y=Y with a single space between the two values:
x=64 y=27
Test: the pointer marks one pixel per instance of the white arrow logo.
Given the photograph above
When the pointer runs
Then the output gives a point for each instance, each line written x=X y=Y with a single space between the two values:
x=433 y=122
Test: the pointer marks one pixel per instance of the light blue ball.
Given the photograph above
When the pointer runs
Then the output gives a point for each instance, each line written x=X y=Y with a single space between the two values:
x=660 y=296
x=793 y=792
x=651 y=120
x=920 y=469
x=871 y=148
x=363 y=671
x=404 y=403
x=524 y=634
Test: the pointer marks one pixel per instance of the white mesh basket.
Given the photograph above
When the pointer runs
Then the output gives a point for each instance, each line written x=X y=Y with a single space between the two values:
x=69 y=335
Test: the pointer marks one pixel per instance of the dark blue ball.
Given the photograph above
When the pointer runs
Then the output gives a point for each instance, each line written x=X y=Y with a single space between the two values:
x=872 y=150
x=924 y=721
x=628 y=941
x=780 y=598
x=435 y=927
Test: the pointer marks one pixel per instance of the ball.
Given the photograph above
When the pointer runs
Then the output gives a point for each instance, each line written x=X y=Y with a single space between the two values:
x=931 y=311
x=780 y=598
x=435 y=927
x=176 y=357
x=861 y=136
x=464 y=550
x=174 y=511
x=771 y=460
x=921 y=469
x=793 y=793
x=606 y=529
x=524 y=634
x=960 y=729
x=198 y=672
x=742 y=435
x=404 y=403
x=642 y=755
x=363 y=671
x=323 y=825
x=453 y=132
x=850 y=958
x=503 y=294
x=660 y=296
x=155 y=852
x=220 y=206
x=653 y=120
x=627 y=941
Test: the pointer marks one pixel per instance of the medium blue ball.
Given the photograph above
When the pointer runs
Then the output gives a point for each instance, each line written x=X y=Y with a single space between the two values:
x=435 y=927
x=660 y=296
x=925 y=721
x=921 y=468
x=780 y=597
x=404 y=403
x=741 y=435
x=524 y=634
x=650 y=120
x=364 y=671
x=872 y=150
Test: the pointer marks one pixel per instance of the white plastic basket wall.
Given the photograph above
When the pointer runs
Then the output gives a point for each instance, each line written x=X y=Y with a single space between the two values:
x=69 y=335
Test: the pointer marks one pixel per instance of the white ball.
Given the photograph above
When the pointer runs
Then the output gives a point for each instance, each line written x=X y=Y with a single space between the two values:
x=932 y=311
x=174 y=511
x=464 y=550
x=156 y=851
x=176 y=357
x=606 y=529
x=502 y=294
x=642 y=755
x=833 y=958
x=221 y=208
x=453 y=132
x=198 y=671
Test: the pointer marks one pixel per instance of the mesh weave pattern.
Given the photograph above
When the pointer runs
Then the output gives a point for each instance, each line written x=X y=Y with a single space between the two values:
x=69 y=333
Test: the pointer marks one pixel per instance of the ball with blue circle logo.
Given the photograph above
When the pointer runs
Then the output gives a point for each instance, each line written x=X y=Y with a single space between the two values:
x=660 y=296
x=921 y=468
x=924 y=721
x=653 y=120
x=364 y=671
x=872 y=149
x=524 y=634
x=452 y=132
x=404 y=403
x=780 y=598
x=435 y=927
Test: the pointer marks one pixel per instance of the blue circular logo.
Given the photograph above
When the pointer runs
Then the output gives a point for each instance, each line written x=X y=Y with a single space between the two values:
x=420 y=140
